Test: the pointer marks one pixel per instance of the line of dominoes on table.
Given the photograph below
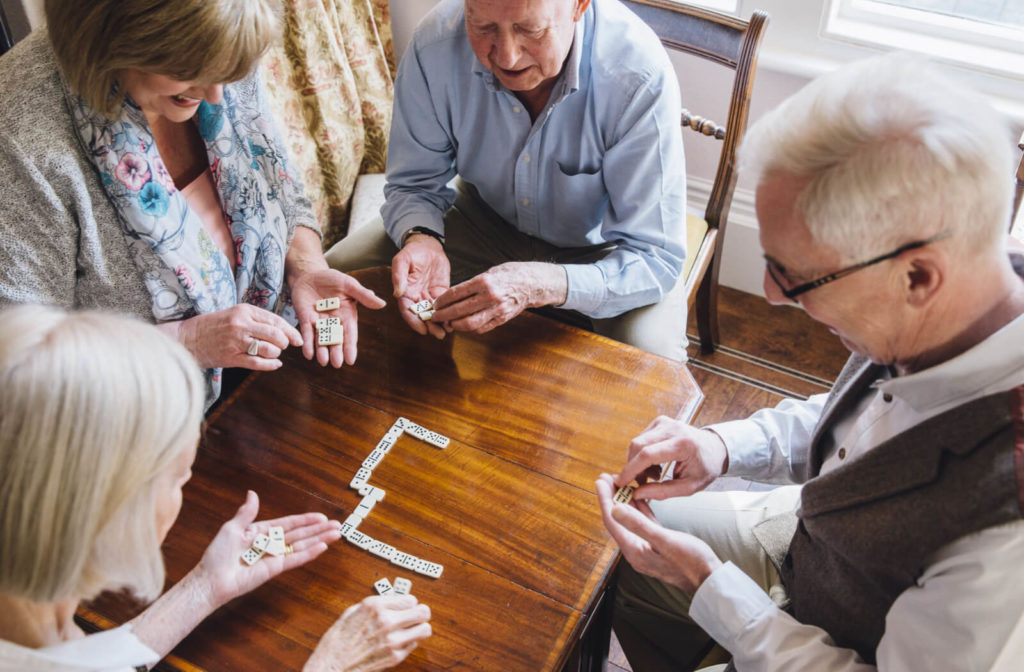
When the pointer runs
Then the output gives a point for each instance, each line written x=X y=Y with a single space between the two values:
x=372 y=494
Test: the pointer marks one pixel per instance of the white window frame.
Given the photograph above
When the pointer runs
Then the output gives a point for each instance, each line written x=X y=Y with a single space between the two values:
x=994 y=49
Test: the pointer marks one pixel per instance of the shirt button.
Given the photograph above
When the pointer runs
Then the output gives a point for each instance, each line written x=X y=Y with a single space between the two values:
x=525 y=202
x=517 y=109
x=526 y=159
x=842 y=453
x=886 y=397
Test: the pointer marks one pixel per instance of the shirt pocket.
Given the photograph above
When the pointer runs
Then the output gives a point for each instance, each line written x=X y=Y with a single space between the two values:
x=578 y=199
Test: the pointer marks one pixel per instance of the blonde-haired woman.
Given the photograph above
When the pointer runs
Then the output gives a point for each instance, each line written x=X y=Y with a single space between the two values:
x=99 y=420
x=132 y=178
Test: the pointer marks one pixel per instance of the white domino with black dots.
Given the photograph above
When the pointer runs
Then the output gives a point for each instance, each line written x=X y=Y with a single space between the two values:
x=372 y=494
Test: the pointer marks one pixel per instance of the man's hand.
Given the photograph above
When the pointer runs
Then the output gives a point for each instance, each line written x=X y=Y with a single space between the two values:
x=222 y=338
x=325 y=283
x=496 y=296
x=221 y=575
x=420 y=271
x=700 y=457
x=375 y=634
x=677 y=558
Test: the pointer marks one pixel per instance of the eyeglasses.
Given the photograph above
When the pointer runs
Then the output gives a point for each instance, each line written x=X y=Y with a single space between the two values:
x=794 y=292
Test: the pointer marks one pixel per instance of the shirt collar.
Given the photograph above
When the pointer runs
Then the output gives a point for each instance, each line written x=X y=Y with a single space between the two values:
x=998 y=358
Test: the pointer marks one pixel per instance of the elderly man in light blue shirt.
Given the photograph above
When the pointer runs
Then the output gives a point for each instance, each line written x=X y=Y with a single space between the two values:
x=559 y=120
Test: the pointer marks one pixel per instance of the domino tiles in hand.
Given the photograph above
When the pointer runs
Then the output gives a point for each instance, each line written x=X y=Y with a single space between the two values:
x=328 y=304
x=332 y=335
x=624 y=494
x=250 y=556
x=277 y=545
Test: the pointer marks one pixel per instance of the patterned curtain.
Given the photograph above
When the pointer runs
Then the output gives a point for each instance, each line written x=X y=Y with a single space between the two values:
x=331 y=87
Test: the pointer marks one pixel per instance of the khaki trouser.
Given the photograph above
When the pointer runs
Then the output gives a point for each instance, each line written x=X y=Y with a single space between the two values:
x=651 y=618
x=477 y=239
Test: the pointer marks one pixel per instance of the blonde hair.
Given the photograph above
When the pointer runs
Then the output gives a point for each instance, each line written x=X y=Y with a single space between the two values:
x=893 y=152
x=204 y=41
x=94 y=408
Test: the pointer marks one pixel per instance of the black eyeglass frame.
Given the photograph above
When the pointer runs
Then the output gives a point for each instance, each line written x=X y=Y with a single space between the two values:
x=791 y=294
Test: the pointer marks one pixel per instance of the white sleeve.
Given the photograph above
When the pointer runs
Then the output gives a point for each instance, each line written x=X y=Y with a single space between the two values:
x=950 y=620
x=760 y=446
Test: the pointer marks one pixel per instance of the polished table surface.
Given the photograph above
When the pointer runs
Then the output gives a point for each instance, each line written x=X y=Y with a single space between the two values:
x=535 y=411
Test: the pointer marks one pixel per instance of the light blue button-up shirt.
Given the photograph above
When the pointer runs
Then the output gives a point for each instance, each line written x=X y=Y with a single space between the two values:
x=602 y=163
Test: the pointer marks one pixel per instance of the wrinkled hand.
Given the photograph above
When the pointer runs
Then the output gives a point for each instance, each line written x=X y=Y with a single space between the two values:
x=420 y=271
x=375 y=634
x=499 y=294
x=222 y=575
x=674 y=557
x=699 y=455
x=222 y=338
x=324 y=283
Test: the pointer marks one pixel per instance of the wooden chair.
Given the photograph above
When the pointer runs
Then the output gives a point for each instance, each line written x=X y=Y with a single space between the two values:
x=734 y=44
x=1018 y=195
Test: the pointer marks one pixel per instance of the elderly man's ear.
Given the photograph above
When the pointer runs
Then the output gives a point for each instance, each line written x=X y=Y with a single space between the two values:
x=581 y=6
x=924 y=277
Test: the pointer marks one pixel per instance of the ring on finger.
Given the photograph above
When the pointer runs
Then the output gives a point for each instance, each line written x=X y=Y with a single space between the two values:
x=254 y=347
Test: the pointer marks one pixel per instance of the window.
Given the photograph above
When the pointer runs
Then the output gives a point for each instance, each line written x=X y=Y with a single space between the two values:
x=999 y=12
x=982 y=34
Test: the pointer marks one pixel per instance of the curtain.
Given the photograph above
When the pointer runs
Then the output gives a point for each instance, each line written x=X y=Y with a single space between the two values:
x=331 y=84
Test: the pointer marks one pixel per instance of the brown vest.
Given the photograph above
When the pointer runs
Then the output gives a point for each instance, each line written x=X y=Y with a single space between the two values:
x=866 y=528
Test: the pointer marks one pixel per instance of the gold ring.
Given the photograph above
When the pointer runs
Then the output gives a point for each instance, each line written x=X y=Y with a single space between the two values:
x=254 y=347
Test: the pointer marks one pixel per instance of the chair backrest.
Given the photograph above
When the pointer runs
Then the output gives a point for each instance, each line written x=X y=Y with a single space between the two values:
x=722 y=39
x=1018 y=195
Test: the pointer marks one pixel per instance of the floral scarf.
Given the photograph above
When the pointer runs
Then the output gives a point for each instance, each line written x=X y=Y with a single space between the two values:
x=185 y=271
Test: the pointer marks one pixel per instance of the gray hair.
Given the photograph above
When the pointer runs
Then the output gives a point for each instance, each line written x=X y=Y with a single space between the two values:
x=94 y=408
x=893 y=151
x=205 y=41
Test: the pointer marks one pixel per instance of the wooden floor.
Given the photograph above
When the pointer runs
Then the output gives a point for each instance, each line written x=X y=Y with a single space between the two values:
x=768 y=353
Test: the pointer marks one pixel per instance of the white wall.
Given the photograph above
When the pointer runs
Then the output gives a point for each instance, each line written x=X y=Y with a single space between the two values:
x=792 y=54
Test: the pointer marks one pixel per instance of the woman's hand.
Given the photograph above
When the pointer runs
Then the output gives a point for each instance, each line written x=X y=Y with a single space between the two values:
x=375 y=634
x=325 y=283
x=222 y=575
x=223 y=338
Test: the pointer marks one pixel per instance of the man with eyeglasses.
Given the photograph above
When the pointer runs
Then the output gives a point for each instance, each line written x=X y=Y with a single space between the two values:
x=883 y=195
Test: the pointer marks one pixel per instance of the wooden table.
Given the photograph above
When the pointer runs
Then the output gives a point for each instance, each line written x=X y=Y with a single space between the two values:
x=535 y=411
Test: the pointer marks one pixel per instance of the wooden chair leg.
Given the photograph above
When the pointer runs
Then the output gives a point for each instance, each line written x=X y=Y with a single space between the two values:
x=707 y=313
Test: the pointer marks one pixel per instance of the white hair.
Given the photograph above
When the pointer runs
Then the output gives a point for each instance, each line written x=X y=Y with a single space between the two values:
x=94 y=407
x=892 y=152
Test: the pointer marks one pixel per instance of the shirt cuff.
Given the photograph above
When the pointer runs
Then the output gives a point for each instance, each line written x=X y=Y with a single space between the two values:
x=727 y=603
x=398 y=228
x=586 y=288
x=746 y=446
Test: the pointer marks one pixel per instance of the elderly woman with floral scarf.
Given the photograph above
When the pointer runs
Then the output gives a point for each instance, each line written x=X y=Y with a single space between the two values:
x=133 y=179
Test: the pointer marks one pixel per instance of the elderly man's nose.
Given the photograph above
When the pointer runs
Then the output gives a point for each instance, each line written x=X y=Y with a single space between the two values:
x=506 y=51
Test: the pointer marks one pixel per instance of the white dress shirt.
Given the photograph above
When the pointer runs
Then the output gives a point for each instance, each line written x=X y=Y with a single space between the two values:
x=117 y=650
x=970 y=594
